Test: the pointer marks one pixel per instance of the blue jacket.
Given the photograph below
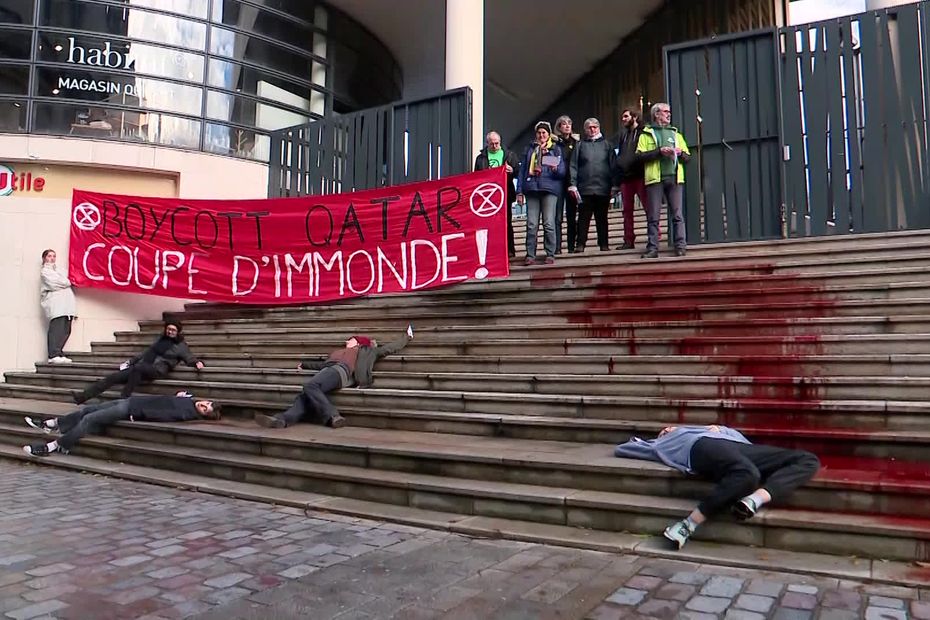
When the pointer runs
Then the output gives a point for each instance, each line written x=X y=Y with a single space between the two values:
x=550 y=181
x=674 y=448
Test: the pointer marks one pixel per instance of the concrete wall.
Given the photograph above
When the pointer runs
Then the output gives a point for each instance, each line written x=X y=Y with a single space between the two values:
x=33 y=221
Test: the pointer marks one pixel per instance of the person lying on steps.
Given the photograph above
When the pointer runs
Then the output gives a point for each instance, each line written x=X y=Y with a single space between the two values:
x=93 y=419
x=345 y=367
x=747 y=476
x=168 y=350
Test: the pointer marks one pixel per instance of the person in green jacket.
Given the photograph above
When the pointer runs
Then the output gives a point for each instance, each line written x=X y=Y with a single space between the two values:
x=663 y=151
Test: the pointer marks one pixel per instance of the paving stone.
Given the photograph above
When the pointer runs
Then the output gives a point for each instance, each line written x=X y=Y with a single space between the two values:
x=885 y=601
x=765 y=587
x=643 y=582
x=167 y=572
x=696 y=615
x=131 y=560
x=796 y=600
x=754 y=602
x=842 y=599
x=656 y=608
x=36 y=610
x=724 y=587
x=884 y=613
x=627 y=596
x=743 y=614
x=675 y=591
x=786 y=613
x=227 y=580
x=828 y=613
x=296 y=572
x=708 y=604
x=920 y=610
x=690 y=578
x=51 y=569
x=802 y=588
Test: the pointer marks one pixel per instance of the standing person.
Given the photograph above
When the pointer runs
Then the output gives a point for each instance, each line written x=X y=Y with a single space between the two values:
x=747 y=476
x=567 y=208
x=57 y=300
x=539 y=186
x=630 y=173
x=591 y=171
x=494 y=155
x=168 y=350
x=351 y=365
x=663 y=151
x=92 y=419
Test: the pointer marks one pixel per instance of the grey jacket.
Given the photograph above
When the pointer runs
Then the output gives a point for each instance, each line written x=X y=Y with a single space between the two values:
x=165 y=363
x=592 y=167
x=674 y=448
x=57 y=297
x=365 y=362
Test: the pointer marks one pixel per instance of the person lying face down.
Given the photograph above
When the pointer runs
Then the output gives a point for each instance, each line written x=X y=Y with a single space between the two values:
x=93 y=419
x=747 y=475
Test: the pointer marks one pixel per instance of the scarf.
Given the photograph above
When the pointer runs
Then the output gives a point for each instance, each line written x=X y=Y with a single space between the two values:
x=538 y=154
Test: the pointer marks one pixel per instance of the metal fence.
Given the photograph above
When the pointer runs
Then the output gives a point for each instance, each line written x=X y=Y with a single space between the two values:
x=397 y=143
x=808 y=130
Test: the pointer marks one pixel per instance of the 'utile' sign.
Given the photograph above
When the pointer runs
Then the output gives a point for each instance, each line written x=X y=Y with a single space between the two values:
x=11 y=182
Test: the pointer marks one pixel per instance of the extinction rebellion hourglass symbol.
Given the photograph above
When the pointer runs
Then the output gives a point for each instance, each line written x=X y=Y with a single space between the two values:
x=486 y=201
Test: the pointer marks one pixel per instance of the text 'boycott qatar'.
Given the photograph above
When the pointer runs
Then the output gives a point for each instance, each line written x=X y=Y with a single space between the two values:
x=294 y=250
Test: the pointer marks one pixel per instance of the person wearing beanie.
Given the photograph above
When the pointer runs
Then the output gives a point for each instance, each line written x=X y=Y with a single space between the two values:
x=156 y=362
x=346 y=367
x=539 y=186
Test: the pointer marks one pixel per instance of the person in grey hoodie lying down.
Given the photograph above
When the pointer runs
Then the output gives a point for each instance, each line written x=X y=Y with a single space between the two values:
x=747 y=476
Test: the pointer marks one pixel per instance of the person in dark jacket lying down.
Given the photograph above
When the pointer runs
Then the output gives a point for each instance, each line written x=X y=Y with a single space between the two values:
x=747 y=476
x=93 y=419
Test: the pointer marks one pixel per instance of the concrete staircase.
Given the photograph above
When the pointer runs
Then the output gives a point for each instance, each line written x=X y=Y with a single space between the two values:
x=501 y=415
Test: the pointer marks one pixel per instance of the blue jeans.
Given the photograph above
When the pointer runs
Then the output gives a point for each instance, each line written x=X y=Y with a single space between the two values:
x=90 y=420
x=313 y=405
x=539 y=203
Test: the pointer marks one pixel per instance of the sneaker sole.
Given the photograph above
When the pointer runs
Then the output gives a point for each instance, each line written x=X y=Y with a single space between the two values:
x=38 y=427
x=268 y=421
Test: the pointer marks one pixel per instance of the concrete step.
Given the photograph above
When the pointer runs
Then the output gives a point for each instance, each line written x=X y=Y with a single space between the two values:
x=875 y=486
x=797 y=346
x=895 y=538
x=739 y=556
x=875 y=414
x=801 y=388
x=909 y=365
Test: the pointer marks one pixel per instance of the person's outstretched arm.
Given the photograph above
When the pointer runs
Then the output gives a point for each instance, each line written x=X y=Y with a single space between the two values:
x=396 y=345
x=189 y=358
x=311 y=364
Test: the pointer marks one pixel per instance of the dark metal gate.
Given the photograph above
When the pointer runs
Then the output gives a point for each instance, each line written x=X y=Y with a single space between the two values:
x=723 y=94
x=808 y=130
x=397 y=143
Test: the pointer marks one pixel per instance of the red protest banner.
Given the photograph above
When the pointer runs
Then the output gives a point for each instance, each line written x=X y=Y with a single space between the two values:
x=294 y=250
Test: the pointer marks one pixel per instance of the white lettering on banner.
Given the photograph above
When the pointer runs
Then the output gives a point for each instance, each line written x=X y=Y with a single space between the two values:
x=190 y=275
x=235 y=277
x=384 y=260
x=90 y=248
x=413 y=259
x=371 y=269
x=409 y=271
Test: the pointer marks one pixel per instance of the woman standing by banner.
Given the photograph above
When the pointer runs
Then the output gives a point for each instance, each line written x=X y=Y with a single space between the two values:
x=540 y=185
x=59 y=305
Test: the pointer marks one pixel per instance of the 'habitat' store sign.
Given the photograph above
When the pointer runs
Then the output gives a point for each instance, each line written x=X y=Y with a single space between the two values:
x=100 y=58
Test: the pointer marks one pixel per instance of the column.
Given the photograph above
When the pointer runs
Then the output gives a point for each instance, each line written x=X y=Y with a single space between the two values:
x=465 y=58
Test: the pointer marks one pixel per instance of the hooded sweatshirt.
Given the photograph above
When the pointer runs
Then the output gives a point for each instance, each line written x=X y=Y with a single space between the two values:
x=674 y=448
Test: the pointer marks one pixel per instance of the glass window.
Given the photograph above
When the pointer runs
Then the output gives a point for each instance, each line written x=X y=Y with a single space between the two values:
x=15 y=43
x=242 y=47
x=120 y=55
x=106 y=87
x=191 y=8
x=252 y=19
x=12 y=116
x=243 y=79
x=92 y=121
x=17 y=11
x=14 y=80
x=260 y=114
x=301 y=9
x=123 y=22
x=237 y=142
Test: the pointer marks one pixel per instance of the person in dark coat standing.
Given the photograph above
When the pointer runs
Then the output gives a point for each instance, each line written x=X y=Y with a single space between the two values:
x=93 y=419
x=156 y=362
x=539 y=187
x=591 y=171
x=494 y=155
x=345 y=367
x=630 y=174
x=567 y=208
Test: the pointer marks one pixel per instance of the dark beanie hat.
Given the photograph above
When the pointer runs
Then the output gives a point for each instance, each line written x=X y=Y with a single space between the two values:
x=175 y=322
x=543 y=124
x=363 y=341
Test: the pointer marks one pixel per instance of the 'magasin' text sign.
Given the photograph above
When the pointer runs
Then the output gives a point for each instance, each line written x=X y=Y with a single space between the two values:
x=294 y=250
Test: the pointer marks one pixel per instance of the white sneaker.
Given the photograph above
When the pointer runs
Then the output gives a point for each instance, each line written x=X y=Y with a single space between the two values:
x=53 y=360
x=678 y=533
x=65 y=360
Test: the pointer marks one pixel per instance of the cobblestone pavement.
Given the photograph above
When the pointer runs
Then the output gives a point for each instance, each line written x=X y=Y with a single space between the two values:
x=77 y=546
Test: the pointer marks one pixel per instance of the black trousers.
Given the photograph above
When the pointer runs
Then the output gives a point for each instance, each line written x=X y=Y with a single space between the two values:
x=566 y=210
x=131 y=378
x=596 y=206
x=90 y=420
x=59 y=330
x=740 y=468
x=313 y=405
x=511 y=247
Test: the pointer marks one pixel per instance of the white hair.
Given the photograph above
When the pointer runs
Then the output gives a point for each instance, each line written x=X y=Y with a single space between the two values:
x=591 y=121
x=491 y=133
x=656 y=107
